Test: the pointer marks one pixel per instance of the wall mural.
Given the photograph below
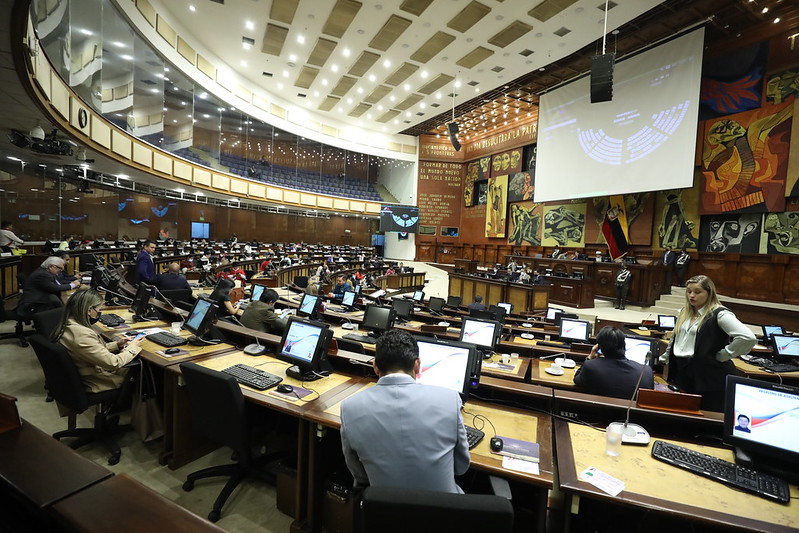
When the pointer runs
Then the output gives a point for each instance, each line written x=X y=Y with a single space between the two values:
x=506 y=163
x=737 y=233
x=745 y=161
x=525 y=224
x=564 y=225
x=677 y=218
x=521 y=187
x=496 y=209
x=732 y=83
x=782 y=86
x=475 y=171
x=780 y=233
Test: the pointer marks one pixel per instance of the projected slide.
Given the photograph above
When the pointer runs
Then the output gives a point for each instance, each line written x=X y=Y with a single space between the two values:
x=773 y=416
x=443 y=366
x=643 y=140
x=301 y=341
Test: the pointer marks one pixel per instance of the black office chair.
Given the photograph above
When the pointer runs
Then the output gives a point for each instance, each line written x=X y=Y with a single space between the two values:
x=301 y=281
x=182 y=298
x=218 y=412
x=65 y=385
x=12 y=315
x=44 y=322
x=350 y=346
x=398 y=510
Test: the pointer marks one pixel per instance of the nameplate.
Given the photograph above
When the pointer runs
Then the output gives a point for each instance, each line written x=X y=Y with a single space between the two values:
x=678 y=402
x=433 y=328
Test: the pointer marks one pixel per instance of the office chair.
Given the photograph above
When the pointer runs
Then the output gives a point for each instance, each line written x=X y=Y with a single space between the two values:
x=398 y=510
x=66 y=387
x=182 y=298
x=218 y=412
x=44 y=322
x=301 y=281
x=350 y=346
x=19 y=328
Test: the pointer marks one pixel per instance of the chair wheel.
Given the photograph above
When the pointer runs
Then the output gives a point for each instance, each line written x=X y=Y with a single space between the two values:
x=188 y=486
x=114 y=459
x=214 y=516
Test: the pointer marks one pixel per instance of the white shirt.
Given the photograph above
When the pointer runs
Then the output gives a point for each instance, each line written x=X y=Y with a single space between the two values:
x=743 y=340
x=8 y=238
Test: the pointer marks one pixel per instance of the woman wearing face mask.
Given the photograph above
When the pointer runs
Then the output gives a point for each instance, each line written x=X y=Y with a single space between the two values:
x=99 y=363
x=706 y=338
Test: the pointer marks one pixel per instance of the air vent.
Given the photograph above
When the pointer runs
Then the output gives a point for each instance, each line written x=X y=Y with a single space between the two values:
x=562 y=31
x=435 y=105
x=419 y=114
x=267 y=74
x=248 y=41
x=301 y=95
x=611 y=5
x=526 y=52
x=497 y=69
x=473 y=83
x=148 y=82
x=468 y=17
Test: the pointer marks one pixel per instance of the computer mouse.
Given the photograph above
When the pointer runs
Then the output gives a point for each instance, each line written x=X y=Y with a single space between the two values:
x=496 y=444
x=285 y=389
x=171 y=351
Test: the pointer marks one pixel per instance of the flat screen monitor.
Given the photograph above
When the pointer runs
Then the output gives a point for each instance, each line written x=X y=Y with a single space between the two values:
x=667 y=321
x=377 y=318
x=308 y=305
x=304 y=345
x=142 y=299
x=357 y=289
x=760 y=417
x=482 y=333
x=485 y=315
x=768 y=331
x=552 y=313
x=454 y=301
x=639 y=349
x=506 y=306
x=436 y=304
x=402 y=218
x=418 y=297
x=50 y=246
x=560 y=317
x=402 y=307
x=349 y=299
x=786 y=347
x=201 y=317
x=498 y=312
x=449 y=364
x=574 y=330
x=257 y=291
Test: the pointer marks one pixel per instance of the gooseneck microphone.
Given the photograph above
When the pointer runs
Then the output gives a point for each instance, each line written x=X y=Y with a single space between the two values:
x=634 y=433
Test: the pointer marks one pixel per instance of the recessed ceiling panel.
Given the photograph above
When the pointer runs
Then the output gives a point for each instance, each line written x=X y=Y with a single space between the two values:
x=433 y=46
x=340 y=17
x=274 y=37
x=283 y=10
x=388 y=115
x=390 y=32
x=474 y=57
x=360 y=110
x=408 y=102
x=549 y=8
x=328 y=103
x=415 y=7
x=401 y=74
x=468 y=17
x=364 y=63
x=514 y=30
x=436 y=83
x=322 y=50
x=343 y=85
x=306 y=77
x=378 y=94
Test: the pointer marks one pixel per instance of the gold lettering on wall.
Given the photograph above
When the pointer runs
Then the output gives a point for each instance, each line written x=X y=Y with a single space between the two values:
x=440 y=192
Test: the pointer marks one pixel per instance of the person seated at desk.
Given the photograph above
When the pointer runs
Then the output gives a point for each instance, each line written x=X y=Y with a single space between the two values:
x=260 y=315
x=611 y=373
x=342 y=285
x=100 y=364
x=41 y=289
x=401 y=433
x=63 y=277
x=232 y=272
x=477 y=304
x=221 y=295
x=172 y=279
x=390 y=271
x=524 y=276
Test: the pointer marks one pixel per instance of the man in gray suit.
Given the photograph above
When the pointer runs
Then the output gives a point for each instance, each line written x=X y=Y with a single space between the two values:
x=401 y=433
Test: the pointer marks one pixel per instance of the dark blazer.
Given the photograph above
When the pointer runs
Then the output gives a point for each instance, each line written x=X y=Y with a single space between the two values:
x=40 y=286
x=169 y=282
x=479 y=306
x=605 y=376
x=145 y=268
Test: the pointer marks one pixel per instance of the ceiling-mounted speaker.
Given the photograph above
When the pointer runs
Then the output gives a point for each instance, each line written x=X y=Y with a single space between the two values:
x=453 y=129
x=602 y=78
x=18 y=138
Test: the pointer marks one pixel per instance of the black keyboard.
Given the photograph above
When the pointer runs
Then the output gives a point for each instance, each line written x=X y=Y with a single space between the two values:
x=473 y=436
x=552 y=344
x=110 y=320
x=164 y=338
x=774 y=366
x=763 y=485
x=359 y=338
x=252 y=377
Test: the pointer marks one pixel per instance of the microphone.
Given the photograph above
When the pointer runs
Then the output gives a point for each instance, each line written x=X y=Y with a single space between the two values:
x=561 y=354
x=129 y=299
x=356 y=362
x=251 y=349
x=634 y=433
x=347 y=324
x=167 y=300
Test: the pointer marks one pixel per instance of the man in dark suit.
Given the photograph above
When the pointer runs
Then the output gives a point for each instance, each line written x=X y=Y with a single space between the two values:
x=145 y=268
x=64 y=277
x=477 y=304
x=172 y=279
x=611 y=373
x=681 y=266
x=668 y=261
x=41 y=289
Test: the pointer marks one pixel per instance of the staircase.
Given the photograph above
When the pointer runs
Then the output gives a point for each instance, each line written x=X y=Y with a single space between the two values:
x=669 y=304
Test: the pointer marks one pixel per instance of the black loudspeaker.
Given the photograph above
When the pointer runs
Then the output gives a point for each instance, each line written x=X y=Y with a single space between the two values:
x=453 y=129
x=602 y=78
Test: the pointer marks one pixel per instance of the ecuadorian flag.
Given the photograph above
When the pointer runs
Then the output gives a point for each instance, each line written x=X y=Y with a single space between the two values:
x=614 y=227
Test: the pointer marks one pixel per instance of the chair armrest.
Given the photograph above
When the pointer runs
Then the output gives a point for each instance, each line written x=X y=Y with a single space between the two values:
x=500 y=487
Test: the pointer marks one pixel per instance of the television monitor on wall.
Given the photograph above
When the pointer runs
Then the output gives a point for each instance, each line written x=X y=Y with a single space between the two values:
x=200 y=230
x=401 y=218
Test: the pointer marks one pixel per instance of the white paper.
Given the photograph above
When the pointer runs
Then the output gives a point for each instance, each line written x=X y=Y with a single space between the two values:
x=528 y=467
x=602 y=481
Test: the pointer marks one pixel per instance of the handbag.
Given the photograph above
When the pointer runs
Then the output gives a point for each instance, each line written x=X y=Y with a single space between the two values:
x=146 y=416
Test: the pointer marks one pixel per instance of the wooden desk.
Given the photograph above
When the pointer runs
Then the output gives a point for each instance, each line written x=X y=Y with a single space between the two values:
x=757 y=372
x=41 y=470
x=525 y=298
x=121 y=504
x=660 y=487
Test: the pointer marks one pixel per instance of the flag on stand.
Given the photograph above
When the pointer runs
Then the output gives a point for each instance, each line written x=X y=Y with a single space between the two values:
x=614 y=227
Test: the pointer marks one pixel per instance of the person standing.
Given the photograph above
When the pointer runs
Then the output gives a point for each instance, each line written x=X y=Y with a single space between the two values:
x=669 y=258
x=385 y=440
x=681 y=266
x=623 y=280
x=706 y=338
x=145 y=267
x=7 y=235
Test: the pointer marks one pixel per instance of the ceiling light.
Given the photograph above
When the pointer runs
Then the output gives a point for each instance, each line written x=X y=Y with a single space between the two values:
x=334 y=67
x=372 y=77
x=386 y=63
x=250 y=25
x=360 y=90
x=127 y=57
x=300 y=39
x=765 y=10
x=349 y=100
x=776 y=20
x=424 y=74
x=346 y=52
x=292 y=57
x=119 y=44
x=243 y=63
x=324 y=81
x=84 y=31
x=192 y=8
x=285 y=73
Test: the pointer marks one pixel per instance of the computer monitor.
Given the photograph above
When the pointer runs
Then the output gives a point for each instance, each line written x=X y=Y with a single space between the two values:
x=559 y=317
x=552 y=313
x=73 y=244
x=141 y=301
x=760 y=421
x=449 y=364
x=485 y=315
x=349 y=299
x=418 y=297
x=50 y=246
x=506 y=306
x=402 y=308
x=768 y=331
x=574 y=330
x=309 y=306
x=642 y=350
x=454 y=301
x=786 y=347
x=358 y=288
x=498 y=312
x=257 y=291
x=482 y=333
x=201 y=317
x=304 y=345
x=436 y=304
x=667 y=321
x=378 y=319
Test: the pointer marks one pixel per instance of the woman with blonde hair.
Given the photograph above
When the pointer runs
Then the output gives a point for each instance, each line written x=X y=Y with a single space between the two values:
x=706 y=338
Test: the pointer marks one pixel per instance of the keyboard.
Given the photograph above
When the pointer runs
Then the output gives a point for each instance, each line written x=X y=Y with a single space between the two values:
x=473 y=436
x=359 y=338
x=773 y=366
x=166 y=339
x=110 y=320
x=553 y=344
x=252 y=377
x=758 y=483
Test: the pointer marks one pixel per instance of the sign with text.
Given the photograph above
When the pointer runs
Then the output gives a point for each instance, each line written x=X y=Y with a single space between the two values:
x=440 y=193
